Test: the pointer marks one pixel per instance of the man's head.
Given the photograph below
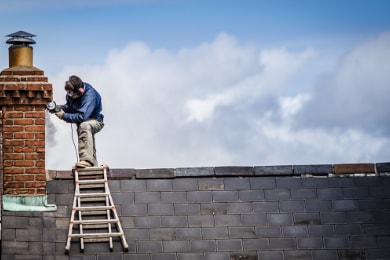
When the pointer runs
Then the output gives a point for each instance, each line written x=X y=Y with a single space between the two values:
x=74 y=87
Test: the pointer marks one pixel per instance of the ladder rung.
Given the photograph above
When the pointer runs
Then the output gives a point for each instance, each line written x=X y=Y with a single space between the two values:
x=84 y=195
x=97 y=235
x=95 y=226
x=91 y=169
x=92 y=181
x=93 y=199
x=95 y=221
x=91 y=174
x=91 y=186
x=100 y=239
x=94 y=213
x=93 y=208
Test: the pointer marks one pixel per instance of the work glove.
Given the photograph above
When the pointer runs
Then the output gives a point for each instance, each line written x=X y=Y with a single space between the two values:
x=60 y=113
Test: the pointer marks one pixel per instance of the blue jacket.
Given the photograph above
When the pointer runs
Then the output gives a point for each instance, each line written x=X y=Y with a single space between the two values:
x=88 y=106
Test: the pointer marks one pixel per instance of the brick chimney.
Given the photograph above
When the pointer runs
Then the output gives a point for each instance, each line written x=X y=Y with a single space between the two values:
x=24 y=93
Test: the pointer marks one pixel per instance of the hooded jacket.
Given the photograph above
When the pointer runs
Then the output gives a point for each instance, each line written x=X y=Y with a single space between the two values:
x=87 y=106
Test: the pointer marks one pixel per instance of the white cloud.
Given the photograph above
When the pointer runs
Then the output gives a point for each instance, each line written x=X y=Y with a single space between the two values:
x=274 y=68
x=201 y=109
x=356 y=94
x=310 y=146
x=289 y=106
x=220 y=103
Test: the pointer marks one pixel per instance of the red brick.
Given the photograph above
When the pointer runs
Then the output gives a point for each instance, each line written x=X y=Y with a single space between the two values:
x=34 y=142
x=13 y=128
x=10 y=192
x=40 y=149
x=354 y=168
x=24 y=163
x=40 y=163
x=40 y=121
x=48 y=87
x=8 y=178
x=36 y=79
x=8 y=149
x=24 y=149
x=40 y=177
x=13 y=170
x=11 y=85
x=8 y=163
x=34 y=156
x=8 y=122
x=13 y=185
x=24 y=177
x=34 y=114
x=23 y=135
x=41 y=191
x=35 y=170
x=12 y=142
x=13 y=114
x=35 y=184
x=5 y=73
x=23 y=108
x=36 y=87
x=13 y=156
x=35 y=128
x=23 y=121
x=8 y=137
x=22 y=71
x=40 y=139
x=26 y=191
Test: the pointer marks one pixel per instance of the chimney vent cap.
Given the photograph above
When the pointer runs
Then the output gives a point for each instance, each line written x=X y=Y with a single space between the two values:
x=20 y=38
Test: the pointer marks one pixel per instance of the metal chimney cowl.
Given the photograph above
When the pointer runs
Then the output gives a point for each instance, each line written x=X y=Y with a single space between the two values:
x=20 y=52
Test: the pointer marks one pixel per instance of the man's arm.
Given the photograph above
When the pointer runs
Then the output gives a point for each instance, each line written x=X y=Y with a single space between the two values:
x=84 y=112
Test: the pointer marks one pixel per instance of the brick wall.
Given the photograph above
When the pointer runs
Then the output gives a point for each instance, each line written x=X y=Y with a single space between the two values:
x=24 y=92
x=223 y=213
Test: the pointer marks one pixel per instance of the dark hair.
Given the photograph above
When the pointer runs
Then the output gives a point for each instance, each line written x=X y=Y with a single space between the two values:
x=74 y=83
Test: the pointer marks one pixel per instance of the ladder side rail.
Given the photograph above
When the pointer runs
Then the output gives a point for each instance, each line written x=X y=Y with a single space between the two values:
x=109 y=223
x=81 y=231
x=118 y=225
x=107 y=190
x=71 y=223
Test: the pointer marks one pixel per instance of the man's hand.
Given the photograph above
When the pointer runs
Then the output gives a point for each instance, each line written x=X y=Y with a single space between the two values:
x=60 y=113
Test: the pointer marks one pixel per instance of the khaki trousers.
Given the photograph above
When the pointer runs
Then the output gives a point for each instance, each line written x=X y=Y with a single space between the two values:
x=86 y=146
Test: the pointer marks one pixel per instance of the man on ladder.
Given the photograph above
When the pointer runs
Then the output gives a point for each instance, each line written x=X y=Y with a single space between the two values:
x=84 y=108
x=93 y=208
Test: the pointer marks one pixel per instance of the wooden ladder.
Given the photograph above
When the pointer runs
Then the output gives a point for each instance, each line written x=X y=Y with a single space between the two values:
x=94 y=217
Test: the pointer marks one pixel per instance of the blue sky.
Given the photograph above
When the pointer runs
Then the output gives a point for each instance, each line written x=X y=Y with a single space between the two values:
x=207 y=83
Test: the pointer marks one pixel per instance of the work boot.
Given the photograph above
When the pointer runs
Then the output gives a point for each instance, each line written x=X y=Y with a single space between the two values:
x=83 y=164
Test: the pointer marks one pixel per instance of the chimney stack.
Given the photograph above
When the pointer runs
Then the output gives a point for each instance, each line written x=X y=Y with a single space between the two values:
x=24 y=93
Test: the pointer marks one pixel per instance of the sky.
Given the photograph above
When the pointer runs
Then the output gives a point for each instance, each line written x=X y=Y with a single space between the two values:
x=196 y=83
